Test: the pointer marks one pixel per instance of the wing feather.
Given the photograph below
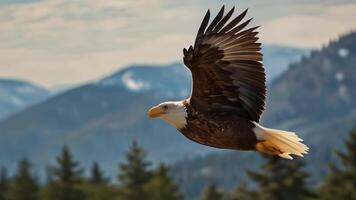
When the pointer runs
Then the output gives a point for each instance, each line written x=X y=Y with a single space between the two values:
x=234 y=22
x=215 y=20
x=224 y=20
x=226 y=65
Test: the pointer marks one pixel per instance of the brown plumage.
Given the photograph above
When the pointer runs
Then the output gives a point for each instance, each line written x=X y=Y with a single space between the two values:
x=228 y=94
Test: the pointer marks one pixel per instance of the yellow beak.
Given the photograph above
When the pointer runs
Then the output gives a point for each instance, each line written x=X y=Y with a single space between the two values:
x=155 y=112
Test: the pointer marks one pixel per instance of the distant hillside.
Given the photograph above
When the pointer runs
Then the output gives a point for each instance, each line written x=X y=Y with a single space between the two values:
x=277 y=58
x=16 y=95
x=315 y=97
x=100 y=119
x=320 y=87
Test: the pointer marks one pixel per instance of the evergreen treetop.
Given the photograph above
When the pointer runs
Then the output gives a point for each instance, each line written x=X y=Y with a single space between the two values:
x=24 y=185
x=96 y=174
x=68 y=170
x=340 y=183
x=161 y=186
x=282 y=179
x=134 y=174
x=67 y=175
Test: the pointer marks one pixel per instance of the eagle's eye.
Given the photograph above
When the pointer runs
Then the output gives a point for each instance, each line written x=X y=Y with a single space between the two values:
x=165 y=107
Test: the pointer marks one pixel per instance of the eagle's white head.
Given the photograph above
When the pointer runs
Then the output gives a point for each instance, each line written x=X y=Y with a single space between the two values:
x=173 y=112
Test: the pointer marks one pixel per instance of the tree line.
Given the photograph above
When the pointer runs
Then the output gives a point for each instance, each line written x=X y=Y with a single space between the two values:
x=65 y=181
x=277 y=179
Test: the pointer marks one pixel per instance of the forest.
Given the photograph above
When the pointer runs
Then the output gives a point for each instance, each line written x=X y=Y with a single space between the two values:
x=277 y=179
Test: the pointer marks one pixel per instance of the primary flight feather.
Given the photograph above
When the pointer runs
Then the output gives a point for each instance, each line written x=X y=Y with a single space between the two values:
x=229 y=90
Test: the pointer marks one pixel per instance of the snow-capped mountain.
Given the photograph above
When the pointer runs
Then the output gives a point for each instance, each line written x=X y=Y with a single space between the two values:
x=320 y=87
x=16 y=95
x=99 y=120
x=173 y=80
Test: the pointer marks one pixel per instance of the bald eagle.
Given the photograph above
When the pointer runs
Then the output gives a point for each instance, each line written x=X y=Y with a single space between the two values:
x=229 y=90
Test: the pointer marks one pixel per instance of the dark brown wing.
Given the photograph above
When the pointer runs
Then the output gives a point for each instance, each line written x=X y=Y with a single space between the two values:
x=226 y=65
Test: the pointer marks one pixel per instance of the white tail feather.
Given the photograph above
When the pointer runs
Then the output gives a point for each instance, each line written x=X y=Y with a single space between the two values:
x=278 y=142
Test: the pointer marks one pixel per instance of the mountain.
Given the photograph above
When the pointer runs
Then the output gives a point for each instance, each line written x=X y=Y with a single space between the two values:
x=276 y=58
x=318 y=88
x=100 y=119
x=315 y=97
x=15 y=95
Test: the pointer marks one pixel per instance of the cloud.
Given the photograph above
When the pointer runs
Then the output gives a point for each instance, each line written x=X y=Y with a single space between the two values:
x=65 y=41
x=61 y=42
x=311 y=30
x=59 y=69
x=63 y=26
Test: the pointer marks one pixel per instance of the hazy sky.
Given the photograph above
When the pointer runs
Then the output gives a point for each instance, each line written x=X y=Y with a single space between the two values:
x=68 y=42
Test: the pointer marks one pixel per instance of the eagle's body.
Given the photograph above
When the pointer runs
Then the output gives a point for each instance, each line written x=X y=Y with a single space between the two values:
x=228 y=94
x=219 y=130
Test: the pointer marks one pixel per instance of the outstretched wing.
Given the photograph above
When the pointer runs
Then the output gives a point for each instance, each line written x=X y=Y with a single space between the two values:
x=226 y=65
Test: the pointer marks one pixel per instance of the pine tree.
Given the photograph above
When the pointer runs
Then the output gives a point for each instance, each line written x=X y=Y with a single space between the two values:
x=212 y=193
x=282 y=179
x=341 y=181
x=161 y=186
x=24 y=186
x=4 y=183
x=134 y=174
x=97 y=176
x=66 y=178
x=68 y=171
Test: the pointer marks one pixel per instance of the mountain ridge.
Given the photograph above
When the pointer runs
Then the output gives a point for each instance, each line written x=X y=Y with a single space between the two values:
x=16 y=95
x=99 y=119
